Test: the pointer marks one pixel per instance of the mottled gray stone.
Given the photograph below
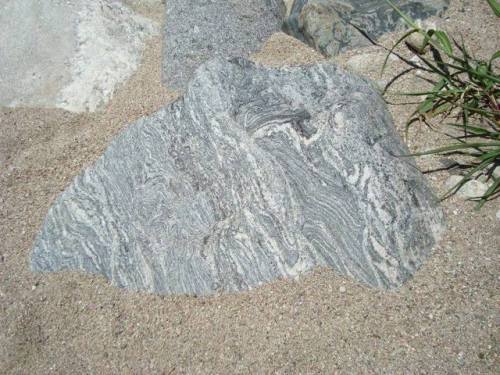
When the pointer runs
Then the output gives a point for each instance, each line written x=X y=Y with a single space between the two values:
x=196 y=31
x=253 y=175
x=326 y=24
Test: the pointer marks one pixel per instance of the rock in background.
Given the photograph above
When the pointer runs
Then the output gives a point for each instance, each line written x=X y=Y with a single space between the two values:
x=326 y=24
x=253 y=175
x=67 y=54
x=196 y=31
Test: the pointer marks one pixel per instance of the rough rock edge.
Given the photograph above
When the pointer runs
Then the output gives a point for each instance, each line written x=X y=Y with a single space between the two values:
x=395 y=265
x=98 y=65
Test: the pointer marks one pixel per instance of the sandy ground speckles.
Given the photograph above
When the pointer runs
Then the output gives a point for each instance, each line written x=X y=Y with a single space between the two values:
x=283 y=50
x=444 y=321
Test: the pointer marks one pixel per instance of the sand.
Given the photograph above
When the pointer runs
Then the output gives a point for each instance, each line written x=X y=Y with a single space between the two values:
x=443 y=321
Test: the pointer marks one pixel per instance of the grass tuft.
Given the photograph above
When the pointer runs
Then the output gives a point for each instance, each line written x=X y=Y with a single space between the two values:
x=465 y=89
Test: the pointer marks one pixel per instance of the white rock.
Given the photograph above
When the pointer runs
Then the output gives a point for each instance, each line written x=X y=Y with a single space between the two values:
x=452 y=181
x=417 y=39
x=68 y=55
x=471 y=189
x=498 y=215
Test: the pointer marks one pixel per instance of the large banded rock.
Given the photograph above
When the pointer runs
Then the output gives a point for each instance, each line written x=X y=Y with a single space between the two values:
x=196 y=31
x=67 y=54
x=326 y=25
x=253 y=175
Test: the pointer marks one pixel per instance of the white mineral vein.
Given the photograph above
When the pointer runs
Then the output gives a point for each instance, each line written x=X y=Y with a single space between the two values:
x=255 y=174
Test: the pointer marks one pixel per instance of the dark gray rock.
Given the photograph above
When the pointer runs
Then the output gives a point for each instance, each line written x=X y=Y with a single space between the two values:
x=255 y=174
x=196 y=31
x=326 y=24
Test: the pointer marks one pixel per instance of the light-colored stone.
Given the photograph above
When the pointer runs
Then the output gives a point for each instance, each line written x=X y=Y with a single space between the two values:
x=67 y=54
x=417 y=39
x=471 y=189
x=452 y=181
x=496 y=172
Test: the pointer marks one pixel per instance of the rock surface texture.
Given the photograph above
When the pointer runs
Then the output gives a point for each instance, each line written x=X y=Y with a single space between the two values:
x=255 y=174
x=326 y=24
x=196 y=31
x=67 y=54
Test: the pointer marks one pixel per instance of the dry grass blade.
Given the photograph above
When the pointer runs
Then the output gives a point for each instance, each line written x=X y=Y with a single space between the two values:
x=464 y=87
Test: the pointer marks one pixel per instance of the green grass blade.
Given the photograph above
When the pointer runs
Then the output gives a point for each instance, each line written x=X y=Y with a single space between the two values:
x=495 y=5
x=492 y=190
x=398 y=42
x=444 y=42
x=456 y=147
x=406 y=18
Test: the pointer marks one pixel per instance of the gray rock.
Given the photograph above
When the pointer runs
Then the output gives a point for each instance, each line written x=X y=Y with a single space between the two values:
x=196 y=31
x=67 y=54
x=255 y=174
x=326 y=24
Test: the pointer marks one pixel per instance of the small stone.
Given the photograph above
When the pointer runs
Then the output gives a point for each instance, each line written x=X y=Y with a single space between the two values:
x=484 y=177
x=416 y=60
x=342 y=289
x=417 y=39
x=452 y=181
x=498 y=215
x=381 y=84
x=496 y=172
x=471 y=189
x=461 y=358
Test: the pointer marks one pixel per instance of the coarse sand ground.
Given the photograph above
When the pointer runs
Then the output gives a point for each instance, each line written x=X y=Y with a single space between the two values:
x=443 y=321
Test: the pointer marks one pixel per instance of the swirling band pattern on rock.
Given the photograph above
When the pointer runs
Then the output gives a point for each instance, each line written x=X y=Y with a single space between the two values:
x=255 y=174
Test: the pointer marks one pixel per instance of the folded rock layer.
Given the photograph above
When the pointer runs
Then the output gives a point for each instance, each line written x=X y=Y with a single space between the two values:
x=255 y=174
